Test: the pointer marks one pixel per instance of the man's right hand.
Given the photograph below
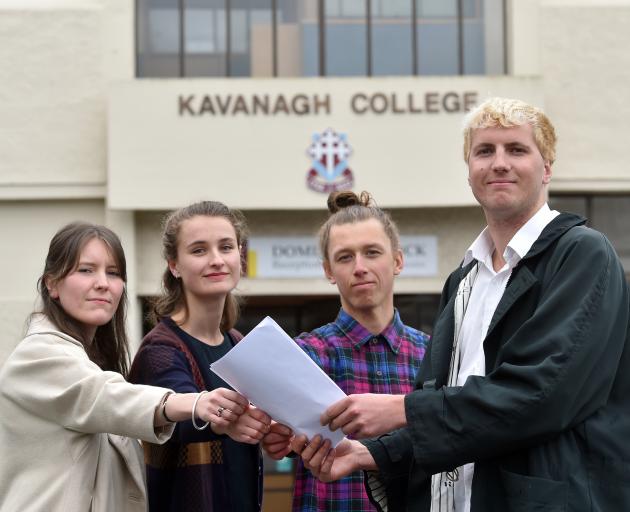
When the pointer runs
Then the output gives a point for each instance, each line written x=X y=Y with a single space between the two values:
x=366 y=415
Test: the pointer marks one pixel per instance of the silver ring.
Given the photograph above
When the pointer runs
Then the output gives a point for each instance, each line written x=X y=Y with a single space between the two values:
x=220 y=411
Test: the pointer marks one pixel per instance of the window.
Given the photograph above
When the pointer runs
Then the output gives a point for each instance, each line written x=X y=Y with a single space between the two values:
x=277 y=38
x=392 y=42
x=609 y=214
x=345 y=38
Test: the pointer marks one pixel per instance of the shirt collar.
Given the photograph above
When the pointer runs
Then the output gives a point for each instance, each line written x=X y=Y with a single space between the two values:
x=481 y=249
x=359 y=335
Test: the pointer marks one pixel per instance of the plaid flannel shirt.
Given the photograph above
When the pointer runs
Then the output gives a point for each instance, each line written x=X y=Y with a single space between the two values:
x=359 y=362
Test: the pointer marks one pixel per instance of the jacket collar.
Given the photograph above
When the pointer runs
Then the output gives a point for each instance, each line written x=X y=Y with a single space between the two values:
x=41 y=324
x=554 y=230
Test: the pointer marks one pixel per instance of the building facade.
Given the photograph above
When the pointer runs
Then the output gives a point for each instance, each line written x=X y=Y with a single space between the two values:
x=115 y=112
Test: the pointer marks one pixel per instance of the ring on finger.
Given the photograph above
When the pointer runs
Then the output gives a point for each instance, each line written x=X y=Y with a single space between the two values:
x=220 y=410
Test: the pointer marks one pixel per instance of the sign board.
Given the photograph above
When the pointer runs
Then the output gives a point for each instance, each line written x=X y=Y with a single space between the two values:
x=274 y=143
x=299 y=258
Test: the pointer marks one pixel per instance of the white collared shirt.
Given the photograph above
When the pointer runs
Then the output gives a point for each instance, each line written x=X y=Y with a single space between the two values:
x=486 y=294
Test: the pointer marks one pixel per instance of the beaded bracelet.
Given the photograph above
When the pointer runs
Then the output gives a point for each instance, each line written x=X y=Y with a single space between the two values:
x=193 y=412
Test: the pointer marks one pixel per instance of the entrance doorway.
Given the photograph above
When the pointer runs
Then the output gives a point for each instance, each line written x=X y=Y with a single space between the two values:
x=301 y=313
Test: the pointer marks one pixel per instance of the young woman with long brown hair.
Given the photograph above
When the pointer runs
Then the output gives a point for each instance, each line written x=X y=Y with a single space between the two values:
x=216 y=468
x=68 y=419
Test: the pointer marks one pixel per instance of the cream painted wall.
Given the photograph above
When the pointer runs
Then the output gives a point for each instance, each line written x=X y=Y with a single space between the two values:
x=523 y=42
x=149 y=252
x=26 y=229
x=586 y=72
x=118 y=40
x=52 y=99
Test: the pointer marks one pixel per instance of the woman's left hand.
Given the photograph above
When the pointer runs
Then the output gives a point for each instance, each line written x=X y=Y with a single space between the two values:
x=250 y=427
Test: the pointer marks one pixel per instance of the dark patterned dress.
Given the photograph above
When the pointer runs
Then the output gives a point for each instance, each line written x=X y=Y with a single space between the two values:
x=195 y=471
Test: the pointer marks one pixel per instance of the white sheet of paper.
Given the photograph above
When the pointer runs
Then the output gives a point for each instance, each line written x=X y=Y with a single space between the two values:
x=277 y=376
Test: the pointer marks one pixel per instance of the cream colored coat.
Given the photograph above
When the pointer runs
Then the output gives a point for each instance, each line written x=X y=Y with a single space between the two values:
x=68 y=429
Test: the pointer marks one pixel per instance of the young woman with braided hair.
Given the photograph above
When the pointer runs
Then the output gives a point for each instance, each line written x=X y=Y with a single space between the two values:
x=217 y=468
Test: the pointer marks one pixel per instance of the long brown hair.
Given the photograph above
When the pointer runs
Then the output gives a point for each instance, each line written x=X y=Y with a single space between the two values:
x=173 y=297
x=110 y=347
x=347 y=208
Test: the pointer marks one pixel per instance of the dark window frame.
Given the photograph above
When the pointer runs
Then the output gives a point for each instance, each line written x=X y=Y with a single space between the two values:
x=321 y=19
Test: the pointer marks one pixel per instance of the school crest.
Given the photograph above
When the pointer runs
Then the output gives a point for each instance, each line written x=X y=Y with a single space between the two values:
x=329 y=153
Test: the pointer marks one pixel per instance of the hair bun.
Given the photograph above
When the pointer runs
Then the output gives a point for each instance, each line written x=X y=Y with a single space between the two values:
x=346 y=198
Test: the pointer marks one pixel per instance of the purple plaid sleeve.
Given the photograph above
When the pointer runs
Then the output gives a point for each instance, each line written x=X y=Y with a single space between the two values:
x=359 y=362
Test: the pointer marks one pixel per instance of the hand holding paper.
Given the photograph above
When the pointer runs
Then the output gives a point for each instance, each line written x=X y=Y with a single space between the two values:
x=366 y=414
x=277 y=442
x=277 y=376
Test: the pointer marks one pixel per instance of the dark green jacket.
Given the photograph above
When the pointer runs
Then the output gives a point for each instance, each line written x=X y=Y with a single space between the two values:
x=548 y=426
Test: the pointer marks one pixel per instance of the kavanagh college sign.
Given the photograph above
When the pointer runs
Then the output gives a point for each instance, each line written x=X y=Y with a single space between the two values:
x=413 y=103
